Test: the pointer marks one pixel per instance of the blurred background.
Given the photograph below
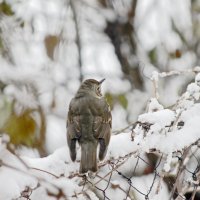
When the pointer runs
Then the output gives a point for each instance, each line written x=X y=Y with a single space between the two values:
x=47 y=48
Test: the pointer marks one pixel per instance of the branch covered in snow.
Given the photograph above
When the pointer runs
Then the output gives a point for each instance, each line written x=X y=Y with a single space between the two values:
x=170 y=135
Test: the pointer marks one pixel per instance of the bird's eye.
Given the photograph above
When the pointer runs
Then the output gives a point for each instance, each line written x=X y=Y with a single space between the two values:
x=98 y=90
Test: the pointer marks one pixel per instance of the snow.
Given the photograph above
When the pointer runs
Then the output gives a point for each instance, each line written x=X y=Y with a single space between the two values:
x=164 y=131
x=57 y=171
x=154 y=105
x=193 y=89
x=55 y=136
x=27 y=152
x=145 y=182
x=15 y=181
x=126 y=145
x=162 y=118
x=59 y=164
x=167 y=166
x=159 y=138
x=119 y=118
x=137 y=99
x=155 y=76
x=159 y=30
x=34 y=80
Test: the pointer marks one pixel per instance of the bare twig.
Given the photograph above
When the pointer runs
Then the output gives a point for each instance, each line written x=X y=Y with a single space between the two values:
x=78 y=41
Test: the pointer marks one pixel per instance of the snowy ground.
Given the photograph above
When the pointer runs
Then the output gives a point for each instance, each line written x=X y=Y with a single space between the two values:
x=166 y=132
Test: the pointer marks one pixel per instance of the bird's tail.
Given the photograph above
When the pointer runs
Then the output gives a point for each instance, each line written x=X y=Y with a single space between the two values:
x=88 y=157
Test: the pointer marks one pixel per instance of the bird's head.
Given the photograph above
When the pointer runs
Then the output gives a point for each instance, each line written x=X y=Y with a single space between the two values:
x=92 y=87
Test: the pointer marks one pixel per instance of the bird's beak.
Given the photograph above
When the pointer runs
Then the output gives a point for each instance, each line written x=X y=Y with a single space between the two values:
x=101 y=81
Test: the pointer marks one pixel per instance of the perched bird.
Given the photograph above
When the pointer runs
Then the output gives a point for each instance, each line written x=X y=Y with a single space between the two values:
x=89 y=123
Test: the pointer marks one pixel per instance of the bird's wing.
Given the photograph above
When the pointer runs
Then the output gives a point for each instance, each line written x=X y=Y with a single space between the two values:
x=73 y=130
x=102 y=128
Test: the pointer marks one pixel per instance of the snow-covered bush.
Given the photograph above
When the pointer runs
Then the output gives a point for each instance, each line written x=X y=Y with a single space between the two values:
x=170 y=134
x=48 y=47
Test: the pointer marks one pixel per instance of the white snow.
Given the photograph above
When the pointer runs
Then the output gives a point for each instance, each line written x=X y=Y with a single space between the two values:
x=162 y=118
x=34 y=79
x=144 y=184
x=55 y=133
x=175 y=140
x=154 y=105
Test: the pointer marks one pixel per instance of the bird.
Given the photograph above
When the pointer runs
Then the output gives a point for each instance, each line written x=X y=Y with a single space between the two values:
x=89 y=122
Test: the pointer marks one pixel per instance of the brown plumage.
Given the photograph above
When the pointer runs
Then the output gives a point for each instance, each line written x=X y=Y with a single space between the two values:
x=89 y=123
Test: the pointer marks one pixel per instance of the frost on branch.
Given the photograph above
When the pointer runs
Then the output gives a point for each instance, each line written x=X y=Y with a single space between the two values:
x=177 y=127
x=174 y=133
x=158 y=158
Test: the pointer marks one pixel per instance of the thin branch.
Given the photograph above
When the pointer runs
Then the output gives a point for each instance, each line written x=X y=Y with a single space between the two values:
x=78 y=40
x=181 y=168
x=133 y=124
x=41 y=170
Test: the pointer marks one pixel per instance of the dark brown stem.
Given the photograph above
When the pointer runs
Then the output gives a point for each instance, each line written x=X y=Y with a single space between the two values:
x=78 y=40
